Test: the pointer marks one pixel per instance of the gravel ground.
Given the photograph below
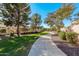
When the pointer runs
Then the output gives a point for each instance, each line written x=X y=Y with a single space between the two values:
x=66 y=47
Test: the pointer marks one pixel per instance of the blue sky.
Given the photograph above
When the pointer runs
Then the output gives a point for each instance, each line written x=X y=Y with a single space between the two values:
x=44 y=8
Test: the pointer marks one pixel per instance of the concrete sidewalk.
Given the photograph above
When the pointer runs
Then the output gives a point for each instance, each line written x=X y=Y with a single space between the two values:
x=45 y=47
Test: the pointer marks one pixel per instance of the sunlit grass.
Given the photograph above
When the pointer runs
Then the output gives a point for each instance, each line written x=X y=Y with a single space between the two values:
x=39 y=34
x=18 y=45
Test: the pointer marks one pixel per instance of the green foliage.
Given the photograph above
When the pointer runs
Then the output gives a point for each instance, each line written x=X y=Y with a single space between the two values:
x=71 y=37
x=62 y=35
x=39 y=34
x=53 y=28
x=59 y=15
x=58 y=30
x=3 y=30
x=36 y=21
x=15 y=14
x=36 y=18
x=64 y=11
x=49 y=21
x=11 y=34
x=8 y=22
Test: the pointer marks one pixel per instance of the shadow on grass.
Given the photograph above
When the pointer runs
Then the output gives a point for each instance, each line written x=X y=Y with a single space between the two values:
x=18 y=46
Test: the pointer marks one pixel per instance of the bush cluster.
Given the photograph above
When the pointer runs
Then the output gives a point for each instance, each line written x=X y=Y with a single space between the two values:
x=62 y=35
x=3 y=31
x=69 y=36
x=11 y=34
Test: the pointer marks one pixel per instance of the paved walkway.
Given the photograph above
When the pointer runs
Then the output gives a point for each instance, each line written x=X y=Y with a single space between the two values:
x=45 y=47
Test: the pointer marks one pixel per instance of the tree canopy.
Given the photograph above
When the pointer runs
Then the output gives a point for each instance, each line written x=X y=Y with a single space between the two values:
x=15 y=14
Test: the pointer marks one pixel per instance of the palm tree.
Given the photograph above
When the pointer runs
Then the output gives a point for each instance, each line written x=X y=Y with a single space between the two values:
x=36 y=21
x=17 y=13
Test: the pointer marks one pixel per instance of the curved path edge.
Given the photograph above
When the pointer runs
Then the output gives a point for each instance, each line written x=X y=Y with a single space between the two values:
x=45 y=47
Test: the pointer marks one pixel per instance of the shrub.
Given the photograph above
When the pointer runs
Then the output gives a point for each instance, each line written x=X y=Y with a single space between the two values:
x=62 y=35
x=11 y=34
x=3 y=30
x=71 y=37
x=53 y=28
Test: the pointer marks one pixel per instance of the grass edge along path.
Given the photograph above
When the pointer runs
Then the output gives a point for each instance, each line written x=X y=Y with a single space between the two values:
x=18 y=46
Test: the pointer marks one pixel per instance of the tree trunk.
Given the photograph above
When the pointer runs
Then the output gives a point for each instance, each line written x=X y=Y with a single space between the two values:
x=18 y=32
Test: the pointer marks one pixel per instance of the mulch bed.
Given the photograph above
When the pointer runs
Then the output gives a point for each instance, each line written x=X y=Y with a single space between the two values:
x=70 y=50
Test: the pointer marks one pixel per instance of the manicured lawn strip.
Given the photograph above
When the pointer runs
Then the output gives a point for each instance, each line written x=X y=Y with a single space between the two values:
x=38 y=34
x=18 y=46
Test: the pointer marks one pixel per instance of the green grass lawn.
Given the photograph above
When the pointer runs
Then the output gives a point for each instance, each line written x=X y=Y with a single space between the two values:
x=18 y=46
x=38 y=34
